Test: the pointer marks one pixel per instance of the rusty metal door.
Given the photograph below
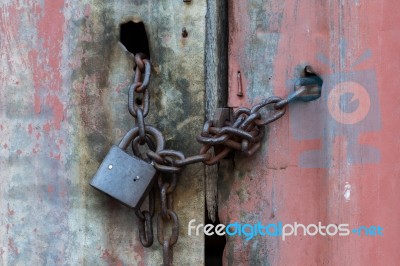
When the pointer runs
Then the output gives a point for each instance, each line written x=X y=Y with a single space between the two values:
x=63 y=85
x=333 y=160
x=63 y=102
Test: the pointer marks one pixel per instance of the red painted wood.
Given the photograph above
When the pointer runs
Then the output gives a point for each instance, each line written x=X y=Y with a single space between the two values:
x=333 y=160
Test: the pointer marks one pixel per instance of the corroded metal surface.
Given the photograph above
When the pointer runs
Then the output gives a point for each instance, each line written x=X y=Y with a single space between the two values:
x=333 y=160
x=64 y=81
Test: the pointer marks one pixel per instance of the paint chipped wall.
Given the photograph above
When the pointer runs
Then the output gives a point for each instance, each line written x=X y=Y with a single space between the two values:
x=63 y=97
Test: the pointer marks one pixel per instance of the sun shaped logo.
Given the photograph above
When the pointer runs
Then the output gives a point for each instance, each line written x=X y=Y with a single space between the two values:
x=348 y=106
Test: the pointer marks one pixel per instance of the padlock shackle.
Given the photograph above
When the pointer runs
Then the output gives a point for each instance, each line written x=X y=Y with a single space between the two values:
x=149 y=130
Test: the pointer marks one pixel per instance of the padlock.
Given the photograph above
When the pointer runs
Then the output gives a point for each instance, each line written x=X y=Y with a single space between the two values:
x=127 y=178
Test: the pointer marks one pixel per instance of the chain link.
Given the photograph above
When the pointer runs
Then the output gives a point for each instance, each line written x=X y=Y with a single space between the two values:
x=139 y=88
x=145 y=224
x=244 y=133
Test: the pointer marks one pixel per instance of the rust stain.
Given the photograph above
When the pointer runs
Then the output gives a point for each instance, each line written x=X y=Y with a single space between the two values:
x=87 y=10
x=110 y=258
x=10 y=212
x=12 y=247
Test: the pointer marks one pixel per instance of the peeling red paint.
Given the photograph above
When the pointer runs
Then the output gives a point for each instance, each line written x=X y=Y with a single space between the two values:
x=308 y=30
x=63 y=192
x=37 y=79
x=46 y=61
x=58 y=110
x=140 y=253
x=19 y=152
x=87 y=10
x=12 y=247
x=50 y=30
x=55 y=156
x=106 y=254
x=79 y=56
x=10 y=212
x=111 y=259
x=121 y=86
x=47 y=127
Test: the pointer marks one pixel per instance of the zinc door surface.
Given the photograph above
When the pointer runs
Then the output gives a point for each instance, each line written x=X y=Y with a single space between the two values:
x=333 y=160
x=64 y=79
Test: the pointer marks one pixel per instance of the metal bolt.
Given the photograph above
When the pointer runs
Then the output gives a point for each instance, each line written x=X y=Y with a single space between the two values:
x=239 y=82
x=137 y=177
x=184 y=32
x=110 y=166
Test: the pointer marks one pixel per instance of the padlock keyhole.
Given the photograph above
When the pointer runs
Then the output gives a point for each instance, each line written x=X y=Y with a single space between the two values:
x=133 y=36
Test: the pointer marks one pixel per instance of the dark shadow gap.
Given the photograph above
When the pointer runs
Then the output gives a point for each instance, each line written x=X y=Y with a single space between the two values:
x=216 y=84
x=214 y=245
x=133 y=36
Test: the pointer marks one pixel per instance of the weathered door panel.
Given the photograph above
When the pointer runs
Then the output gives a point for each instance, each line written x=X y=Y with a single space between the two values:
x=63 y=101
x=333 y=160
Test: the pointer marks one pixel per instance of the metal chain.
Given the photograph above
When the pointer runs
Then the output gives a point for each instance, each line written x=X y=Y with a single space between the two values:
x=242 y=132
x=138 y=105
